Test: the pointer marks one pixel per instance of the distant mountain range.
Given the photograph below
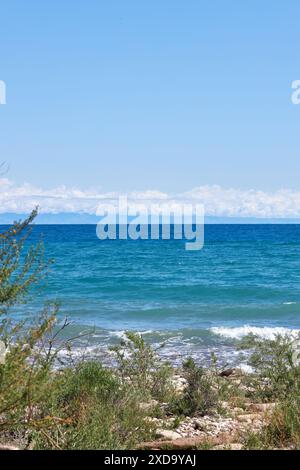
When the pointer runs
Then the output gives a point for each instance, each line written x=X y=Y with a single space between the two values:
x=83 y=218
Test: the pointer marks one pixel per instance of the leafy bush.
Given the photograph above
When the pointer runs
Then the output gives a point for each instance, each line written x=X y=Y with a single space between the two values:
x=276 y=375
x=93 y=410
x=276 y=378
x=140 y=365
x=15 y=276
x=200 y=395
x=24 y=372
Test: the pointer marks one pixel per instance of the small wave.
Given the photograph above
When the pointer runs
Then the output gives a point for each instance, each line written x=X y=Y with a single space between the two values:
x=289 y=303
x=264 y=332
x=121 y=334
x=118 y=334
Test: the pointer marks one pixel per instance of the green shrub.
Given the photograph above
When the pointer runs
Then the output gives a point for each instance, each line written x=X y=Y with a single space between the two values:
x=140 y=365
x=93 y=410
x=275 y=376
x=24 y=373
x=200 y=396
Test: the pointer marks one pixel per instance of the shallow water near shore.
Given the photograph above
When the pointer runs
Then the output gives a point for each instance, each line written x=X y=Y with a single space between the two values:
x=245 y=279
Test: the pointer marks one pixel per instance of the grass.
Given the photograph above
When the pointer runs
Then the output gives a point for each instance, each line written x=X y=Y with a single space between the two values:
x=88 y=406
x=93 y=410
x=276 y=379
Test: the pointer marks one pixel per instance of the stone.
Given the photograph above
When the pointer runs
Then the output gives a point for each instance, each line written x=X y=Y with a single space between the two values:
x=147 y=406
x=153 y=420
x=233 y=446
x=167 y=434
x=226 y=372
x=238 y=410
x=262 y=407
x=180 y=383
x=248 y=418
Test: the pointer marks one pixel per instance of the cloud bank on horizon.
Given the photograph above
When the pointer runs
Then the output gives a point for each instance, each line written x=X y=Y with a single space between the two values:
x=218 y=201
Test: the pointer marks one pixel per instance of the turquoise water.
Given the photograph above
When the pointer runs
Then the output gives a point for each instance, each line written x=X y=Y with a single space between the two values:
x=246 y=278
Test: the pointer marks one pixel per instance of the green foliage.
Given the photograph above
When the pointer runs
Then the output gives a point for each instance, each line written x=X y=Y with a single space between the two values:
x=276 y=375
x=24 y=373
x=139 y=364
x=17 y=277
x=283 y=430
x=93 y=410
x=23 y=378
x=200 y=396
x=276 y=378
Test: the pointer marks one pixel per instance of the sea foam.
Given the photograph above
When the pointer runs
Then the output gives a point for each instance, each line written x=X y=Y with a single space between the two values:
x=264 y=332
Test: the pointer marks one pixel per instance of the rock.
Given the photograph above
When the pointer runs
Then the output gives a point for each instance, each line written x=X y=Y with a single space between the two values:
x=167 y=434
x=262 y=407
x=153 y=420
x=233 y=446
x=248 y=418
x=180 y=383
x=238 y=410
x=206 y=426
x=226 y=372
x=148 y=405
x=190 y=443
x=225 y=405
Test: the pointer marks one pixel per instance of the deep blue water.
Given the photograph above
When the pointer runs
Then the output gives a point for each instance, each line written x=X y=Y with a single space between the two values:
x=246 y=277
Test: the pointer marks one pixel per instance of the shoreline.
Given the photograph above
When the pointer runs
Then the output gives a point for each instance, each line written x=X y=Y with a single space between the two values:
x=225 y=344
x=191 y=406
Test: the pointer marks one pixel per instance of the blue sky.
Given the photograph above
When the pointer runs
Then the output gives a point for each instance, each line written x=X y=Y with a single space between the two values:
x=161 y=95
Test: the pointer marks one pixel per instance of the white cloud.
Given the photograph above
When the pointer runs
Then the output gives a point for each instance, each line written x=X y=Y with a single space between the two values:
x=217 y=201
